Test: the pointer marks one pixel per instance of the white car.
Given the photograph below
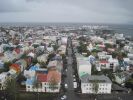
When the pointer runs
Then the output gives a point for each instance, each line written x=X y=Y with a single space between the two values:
x=63 y=97
x=66 y=86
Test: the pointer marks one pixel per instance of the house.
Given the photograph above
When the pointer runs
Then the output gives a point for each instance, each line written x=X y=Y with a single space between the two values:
x=107 y=61
x=119 y=36
x=44 y=82
x=30 y=82
x=120 y=78
x=50 y=49
x=53 y=81
x=55 y=65
x=8 y=56
x=128 y=48
x=90 y=47
x=130 y=56
x=95 y=84
x=124 y=64
x=15 y=69
x=3 y=78
x=102 y=55
x=62 y=49
x=104 y=64
x=91 y=59
x=113 y=64
x=64 y=40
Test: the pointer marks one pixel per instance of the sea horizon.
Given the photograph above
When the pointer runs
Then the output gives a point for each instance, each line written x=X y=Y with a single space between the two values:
x=118 y=28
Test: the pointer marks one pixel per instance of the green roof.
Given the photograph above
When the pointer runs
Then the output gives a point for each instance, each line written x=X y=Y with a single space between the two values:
x=82 y=74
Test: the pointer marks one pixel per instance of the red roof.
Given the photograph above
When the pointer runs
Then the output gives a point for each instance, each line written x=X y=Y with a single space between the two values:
x=42 y=77
x=54 y=74
x=104 y=61
x=17 y=50
x=15 y=67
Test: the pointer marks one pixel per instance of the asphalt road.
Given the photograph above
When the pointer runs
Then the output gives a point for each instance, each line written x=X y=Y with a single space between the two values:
x=71 y=95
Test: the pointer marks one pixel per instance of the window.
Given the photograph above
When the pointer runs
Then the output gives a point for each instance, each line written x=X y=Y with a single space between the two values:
x=28 y=86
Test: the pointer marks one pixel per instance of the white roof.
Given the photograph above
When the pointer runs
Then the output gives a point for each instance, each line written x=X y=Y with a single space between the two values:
x=52 y=63
x=31 y=54
x=84 y=66
x=113 y=60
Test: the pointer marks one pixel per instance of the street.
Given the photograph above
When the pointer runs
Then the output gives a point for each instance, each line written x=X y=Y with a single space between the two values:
x=71 y=95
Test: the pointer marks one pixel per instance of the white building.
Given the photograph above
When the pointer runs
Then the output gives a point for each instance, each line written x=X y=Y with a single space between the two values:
x=64 y=40
x=84 y=67
x=95 y=84
x=122 y=77
x=40 y=83
x=114 y=63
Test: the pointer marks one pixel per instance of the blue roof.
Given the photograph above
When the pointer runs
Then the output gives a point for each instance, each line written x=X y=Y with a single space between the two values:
x=30 y=81
x=34 y=68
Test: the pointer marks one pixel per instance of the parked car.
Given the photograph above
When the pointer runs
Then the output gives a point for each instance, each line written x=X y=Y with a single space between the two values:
x=63 y=97
x=66 y=86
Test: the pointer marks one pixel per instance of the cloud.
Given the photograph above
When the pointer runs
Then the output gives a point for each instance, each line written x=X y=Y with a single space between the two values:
x=98 y=11
x=13 y=5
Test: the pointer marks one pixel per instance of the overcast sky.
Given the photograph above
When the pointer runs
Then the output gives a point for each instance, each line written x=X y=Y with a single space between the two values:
x=89 y=11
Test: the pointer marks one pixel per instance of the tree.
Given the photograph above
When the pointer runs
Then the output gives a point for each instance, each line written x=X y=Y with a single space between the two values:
x=114 y=54
x=94 y=71
x=124 y=54
x=55 y=47
x=6 y=66
x=82 y=47
x=11 y=88
x=95 y=86
x=129 y=83
x=111 y=76
x=108 y=45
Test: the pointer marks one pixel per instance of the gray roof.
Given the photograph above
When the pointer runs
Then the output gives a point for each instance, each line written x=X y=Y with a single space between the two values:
x=95 y=78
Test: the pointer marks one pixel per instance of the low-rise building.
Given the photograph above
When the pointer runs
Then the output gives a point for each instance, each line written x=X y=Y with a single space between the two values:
x=84 y=67
x=95 y=84
x=121 y=77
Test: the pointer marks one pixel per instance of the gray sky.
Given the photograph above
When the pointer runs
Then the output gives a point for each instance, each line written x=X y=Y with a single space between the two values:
x=89 y=11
